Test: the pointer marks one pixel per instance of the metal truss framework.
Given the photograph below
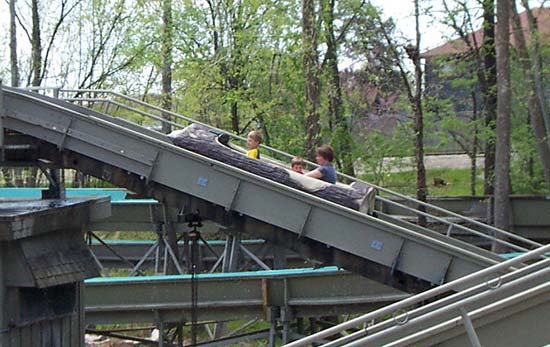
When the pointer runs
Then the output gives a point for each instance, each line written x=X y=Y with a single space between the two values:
x=387 y=249
x=277 y=296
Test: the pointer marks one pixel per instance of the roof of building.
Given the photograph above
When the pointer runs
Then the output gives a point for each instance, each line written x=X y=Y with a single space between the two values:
x=459 y=45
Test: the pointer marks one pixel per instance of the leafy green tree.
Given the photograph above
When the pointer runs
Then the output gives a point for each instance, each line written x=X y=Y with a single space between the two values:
x=413 y=88
x=482 y=63
x=534 y=105
x=233 y=72
x=372 y=89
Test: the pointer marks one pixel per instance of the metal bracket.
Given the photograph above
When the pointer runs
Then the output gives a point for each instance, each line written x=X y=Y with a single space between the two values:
x=55 y=190
x=472 y=336
x=152 y=167
x=65 y=131
x=306 y=219
x=231 y=203
x=396 y=259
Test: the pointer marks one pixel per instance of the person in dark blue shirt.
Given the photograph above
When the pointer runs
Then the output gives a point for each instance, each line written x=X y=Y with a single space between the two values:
x=325 y=171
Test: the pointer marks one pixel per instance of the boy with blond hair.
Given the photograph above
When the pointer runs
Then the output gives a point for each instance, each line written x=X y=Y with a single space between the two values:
x=253 y=141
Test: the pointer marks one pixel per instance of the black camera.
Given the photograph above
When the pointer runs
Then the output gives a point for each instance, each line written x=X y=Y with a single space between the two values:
x=193 y=219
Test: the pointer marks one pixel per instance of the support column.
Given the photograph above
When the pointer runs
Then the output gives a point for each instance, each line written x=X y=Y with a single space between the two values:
x=279 y=258
x=171 y=238
x=286 y=318
x=81 y=312
x=312 y=325
x=232 y=248
x=300 y=326
x=273 y=326
x=230 y=264
x=3 y=327
x=179 y=330
x=160 y=259
x=160 y=326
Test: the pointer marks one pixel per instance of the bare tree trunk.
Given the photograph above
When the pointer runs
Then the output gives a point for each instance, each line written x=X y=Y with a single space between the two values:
x=342 y=135
x=473 y=166
x=167 y=33
x=36 y=46
x=311 y=71
x=36 y=67
x=13 y=46
x=489 y=79
x=235 y=82
x=415 y=100
x=14 y=69
x=421 y=191
x=235 y=117
x=502 y=173
x=533 y=105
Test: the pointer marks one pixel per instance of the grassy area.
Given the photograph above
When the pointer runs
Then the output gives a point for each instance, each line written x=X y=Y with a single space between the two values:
x=127 y=235
x=457 y=182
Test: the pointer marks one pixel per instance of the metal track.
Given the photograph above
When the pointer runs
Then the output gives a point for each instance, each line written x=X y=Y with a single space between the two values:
x=145 y=161
x=501 y=311
x=112 y=103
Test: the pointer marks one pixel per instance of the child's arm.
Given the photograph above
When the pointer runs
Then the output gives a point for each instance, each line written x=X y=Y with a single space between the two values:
x=315 y=174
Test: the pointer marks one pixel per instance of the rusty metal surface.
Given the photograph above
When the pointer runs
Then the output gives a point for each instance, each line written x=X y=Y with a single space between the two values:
x=58 y=258
x=43 y=259
x=45 y=244
x=24 y=218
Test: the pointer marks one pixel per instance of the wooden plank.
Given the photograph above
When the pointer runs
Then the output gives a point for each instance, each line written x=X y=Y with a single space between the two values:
x=46 y=332
x=14 y=337
x=26 y=336
x=78 y=322
x=36 y=337
x=66 y=331
x=56 y=325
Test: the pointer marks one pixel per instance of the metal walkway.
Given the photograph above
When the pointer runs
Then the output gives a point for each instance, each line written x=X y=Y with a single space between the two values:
x=385 y=249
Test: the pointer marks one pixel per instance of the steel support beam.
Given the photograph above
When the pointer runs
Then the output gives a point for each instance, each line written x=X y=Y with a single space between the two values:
x=233 y=296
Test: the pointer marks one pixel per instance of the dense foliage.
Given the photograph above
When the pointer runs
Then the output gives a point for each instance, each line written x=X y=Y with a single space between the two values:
x=238 y=65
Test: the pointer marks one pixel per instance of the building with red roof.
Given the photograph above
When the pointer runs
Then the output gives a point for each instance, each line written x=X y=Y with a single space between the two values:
x=450 y=68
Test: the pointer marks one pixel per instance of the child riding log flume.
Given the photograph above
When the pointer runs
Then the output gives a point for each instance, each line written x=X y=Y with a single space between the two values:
x=200 y=139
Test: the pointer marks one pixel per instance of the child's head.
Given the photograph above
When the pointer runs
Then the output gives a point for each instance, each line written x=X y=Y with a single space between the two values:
x=253 y=139
x=324 y=155
x=297 y=164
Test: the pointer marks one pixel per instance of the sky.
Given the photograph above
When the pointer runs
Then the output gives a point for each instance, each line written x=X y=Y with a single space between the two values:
x=402 y=11
x=433 y=33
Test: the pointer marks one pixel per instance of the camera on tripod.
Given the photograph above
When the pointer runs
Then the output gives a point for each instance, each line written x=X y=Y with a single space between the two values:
x=193 y=219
